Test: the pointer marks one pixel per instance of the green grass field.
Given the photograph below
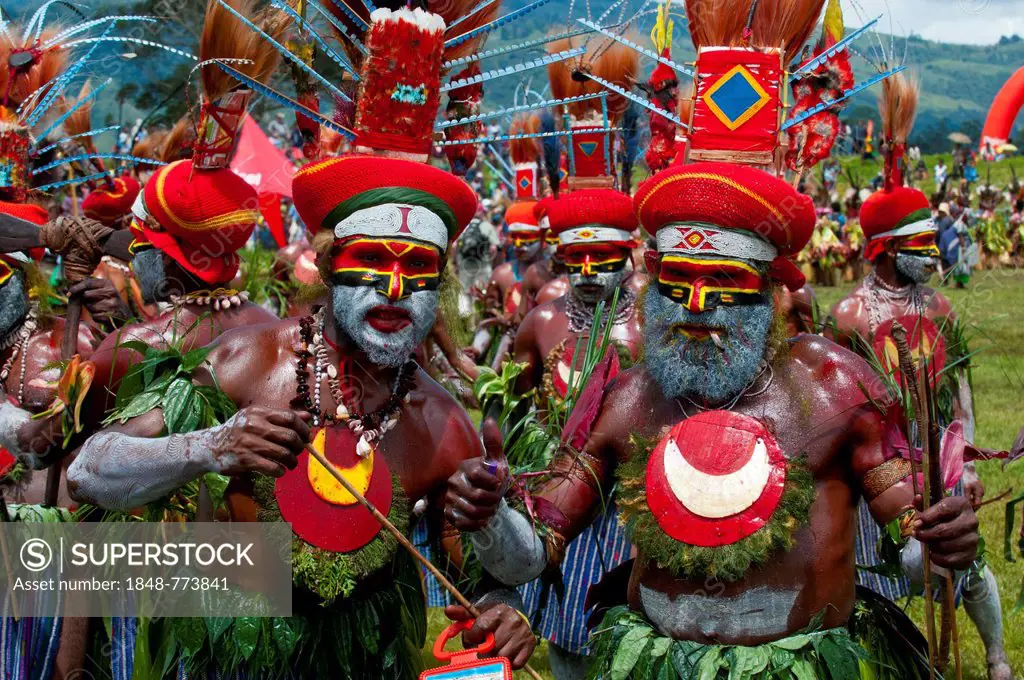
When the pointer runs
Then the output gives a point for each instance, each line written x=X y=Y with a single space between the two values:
x=994 y=308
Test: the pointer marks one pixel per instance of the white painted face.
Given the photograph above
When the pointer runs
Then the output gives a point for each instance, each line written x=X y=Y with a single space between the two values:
x=387 y=331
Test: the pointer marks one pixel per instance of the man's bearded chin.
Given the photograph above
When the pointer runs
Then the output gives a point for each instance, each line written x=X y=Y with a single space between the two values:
x=13 y=305
x=608 y=282
x=699 y=369
x=917 y=268
x=351 y=304
x=148 y=268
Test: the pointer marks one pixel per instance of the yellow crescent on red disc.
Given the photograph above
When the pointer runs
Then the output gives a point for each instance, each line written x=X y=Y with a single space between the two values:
x=321 y=511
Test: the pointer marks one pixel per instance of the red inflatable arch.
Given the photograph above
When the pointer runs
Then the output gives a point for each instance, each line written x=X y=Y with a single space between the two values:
x=1004 y=111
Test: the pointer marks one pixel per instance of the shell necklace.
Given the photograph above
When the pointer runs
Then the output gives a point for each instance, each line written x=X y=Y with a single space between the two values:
x=369 y=427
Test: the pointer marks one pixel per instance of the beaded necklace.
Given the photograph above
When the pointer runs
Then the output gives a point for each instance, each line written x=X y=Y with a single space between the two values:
x=19 y=339
x=219 y=299
x=369 y=427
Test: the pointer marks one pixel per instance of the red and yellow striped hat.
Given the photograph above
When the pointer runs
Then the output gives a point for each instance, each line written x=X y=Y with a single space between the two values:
x=727 y=210
x=107 y=204
x=200 y=218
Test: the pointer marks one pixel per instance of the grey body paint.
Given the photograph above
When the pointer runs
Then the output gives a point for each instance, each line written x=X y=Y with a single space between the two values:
x=755 y=612
x=119 y=472
x=12 y=419
x=509 y=548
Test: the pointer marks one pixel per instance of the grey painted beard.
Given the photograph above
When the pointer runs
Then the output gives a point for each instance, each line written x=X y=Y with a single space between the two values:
x=527 y=253
x=148 y=267
x=697 y=369
x=608 y=281
x=351 y=303
x=917 y=268
x=13 y=305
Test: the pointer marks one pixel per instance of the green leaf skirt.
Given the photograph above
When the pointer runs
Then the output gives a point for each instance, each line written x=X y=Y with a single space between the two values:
x=625 y=646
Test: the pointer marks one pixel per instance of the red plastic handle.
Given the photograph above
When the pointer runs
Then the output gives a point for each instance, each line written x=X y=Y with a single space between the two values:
x=450 y=632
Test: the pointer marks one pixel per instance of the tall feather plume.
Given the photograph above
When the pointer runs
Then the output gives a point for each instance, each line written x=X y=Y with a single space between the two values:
x=178 y=143
x=525 y=150
x=552 y=150
x=608 y=60
x=226 y=37
x=48 y=66
x=897 y=104
x=150 y=145
x=776 y=23
x=80 y=121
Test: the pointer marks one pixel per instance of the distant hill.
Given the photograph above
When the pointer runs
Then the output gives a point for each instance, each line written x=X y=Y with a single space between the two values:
x=959 y=82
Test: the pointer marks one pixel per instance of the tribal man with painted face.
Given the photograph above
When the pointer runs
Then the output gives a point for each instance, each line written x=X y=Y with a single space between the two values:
x=901 y=233
x=505 y=290
x=594 y=229
x=344 y=380
x=739 y=455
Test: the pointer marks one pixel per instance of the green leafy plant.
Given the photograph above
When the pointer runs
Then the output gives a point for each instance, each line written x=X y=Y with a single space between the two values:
x=163 y=379
x=260 y=281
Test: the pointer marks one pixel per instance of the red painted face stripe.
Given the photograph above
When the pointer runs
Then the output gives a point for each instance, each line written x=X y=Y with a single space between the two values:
x=395 y=267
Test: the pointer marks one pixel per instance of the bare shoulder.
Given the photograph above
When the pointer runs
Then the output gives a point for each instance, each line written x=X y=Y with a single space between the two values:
x=540 y=315
x=267 y=341
x=444 y=420
x=630 y=405
x=938 y=304
x=851 y=307
x=833 y=370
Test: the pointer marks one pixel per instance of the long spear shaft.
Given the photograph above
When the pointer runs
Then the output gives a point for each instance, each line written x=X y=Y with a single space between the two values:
x=404 y=542
x=906 y=362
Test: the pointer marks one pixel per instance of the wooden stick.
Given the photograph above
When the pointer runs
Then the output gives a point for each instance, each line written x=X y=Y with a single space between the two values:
x=951 y=606
x=68 y=349
x=906 y=362
x=404 y=542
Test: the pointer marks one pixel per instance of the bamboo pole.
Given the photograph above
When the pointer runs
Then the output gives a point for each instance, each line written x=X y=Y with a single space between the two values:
x=404 y=542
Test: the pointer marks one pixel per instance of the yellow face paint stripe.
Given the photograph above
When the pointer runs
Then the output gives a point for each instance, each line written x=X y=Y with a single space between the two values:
x=721 y=263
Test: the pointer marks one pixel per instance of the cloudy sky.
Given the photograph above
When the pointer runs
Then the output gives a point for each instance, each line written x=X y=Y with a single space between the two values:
x=958 y=21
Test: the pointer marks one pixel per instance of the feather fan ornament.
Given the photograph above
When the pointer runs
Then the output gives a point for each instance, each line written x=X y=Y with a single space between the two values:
x=615 y=63
x=226 y=37
x=525 y=150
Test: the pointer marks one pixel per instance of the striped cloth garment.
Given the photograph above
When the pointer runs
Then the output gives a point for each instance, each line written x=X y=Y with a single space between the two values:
x=29 y=646
x=602 y=546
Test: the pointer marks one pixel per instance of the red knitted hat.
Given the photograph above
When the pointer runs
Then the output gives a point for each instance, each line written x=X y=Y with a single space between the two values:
x=702 y=206
x=541 y=207
x=888 y=210
x=522 y=214
x=592 y=216
x=900 y=211
x=107 y=204
x=329 y=191
x=29 y=212
x=204 y=218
